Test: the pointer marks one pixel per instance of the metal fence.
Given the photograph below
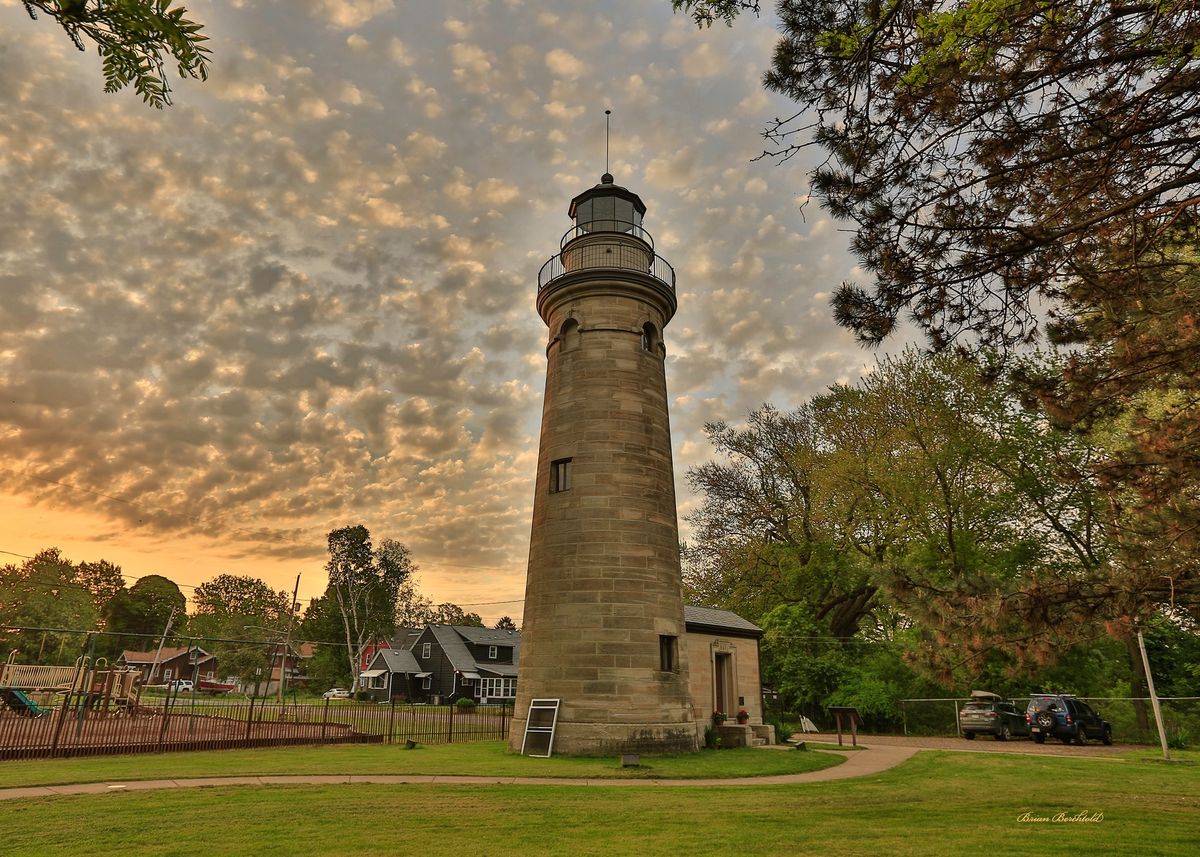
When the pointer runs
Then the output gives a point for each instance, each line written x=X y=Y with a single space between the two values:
x=1131 y=722
x=69 y=726
x=616 y=255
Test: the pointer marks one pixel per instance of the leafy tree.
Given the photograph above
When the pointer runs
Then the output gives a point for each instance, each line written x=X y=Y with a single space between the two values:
x=985 y=150
x=447 y=613
x=1005 y=161
x=323 y=625
x=103 y=579
x=232 y=608
x=143 y=610
x=135 y=40
x=1128 y=377
x=920 y=497
x=46 y=591
x=365 y=584
x=413 y=610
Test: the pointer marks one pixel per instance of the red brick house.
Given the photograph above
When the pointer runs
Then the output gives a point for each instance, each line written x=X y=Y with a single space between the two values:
x=172 y=662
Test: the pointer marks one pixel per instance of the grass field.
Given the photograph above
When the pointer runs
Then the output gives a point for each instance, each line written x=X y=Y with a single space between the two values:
x=937 y=803
x=472 y=759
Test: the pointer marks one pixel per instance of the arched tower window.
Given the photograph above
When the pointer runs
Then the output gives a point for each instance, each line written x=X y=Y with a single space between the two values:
x=568 y=335
x=650 y=338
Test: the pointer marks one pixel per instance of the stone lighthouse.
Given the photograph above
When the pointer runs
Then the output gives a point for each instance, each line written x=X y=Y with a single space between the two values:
x=603 y=624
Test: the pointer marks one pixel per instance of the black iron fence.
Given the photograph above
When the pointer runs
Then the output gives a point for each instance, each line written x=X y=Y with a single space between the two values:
x=68 y=725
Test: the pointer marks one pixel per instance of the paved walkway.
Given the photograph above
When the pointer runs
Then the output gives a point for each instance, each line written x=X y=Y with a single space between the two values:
x=859 y=763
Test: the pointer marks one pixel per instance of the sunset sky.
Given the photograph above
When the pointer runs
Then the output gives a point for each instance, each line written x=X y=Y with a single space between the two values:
x=303 y=297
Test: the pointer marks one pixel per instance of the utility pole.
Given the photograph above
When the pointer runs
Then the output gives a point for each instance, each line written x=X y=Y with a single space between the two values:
x=162 y=641
x=1162 y=733
x=287 y=646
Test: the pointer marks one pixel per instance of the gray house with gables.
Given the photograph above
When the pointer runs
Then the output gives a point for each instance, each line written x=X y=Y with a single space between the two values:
x=393 y=674
x=448 y=662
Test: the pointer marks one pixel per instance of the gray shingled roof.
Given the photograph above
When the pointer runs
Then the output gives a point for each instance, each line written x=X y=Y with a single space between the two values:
x=397 y=661
x=489 y=636
x=711 y=617
x=451 y=639
x=454 y=647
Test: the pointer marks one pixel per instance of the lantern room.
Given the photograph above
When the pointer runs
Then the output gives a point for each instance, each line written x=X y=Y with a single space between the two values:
x=607 y=207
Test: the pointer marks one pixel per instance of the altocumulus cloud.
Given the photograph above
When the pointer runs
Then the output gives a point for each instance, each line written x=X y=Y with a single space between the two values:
x=304 y=295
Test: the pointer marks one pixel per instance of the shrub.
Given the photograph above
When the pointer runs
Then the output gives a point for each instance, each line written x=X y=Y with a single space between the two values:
x=465 y=703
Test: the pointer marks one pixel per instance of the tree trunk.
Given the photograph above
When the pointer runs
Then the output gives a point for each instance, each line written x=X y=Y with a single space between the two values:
x=1137 y=684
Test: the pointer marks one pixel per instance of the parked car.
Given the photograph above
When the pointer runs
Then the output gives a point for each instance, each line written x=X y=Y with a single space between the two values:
x=1062 y=716
x=180 y=685
x=336 y=693
x=988 y=714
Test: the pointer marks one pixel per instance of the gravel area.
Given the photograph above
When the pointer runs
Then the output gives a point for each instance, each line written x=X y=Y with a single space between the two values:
x=981 y=744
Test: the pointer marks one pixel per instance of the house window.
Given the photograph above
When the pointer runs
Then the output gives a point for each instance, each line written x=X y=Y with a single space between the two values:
x=497 y=688
x=492 y=653
x=560 y=475
x=667 y=653
x=166 y=675
x=426 y=650
x=427 y=682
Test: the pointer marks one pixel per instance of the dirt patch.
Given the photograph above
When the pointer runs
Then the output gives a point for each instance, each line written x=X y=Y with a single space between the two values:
x=56 y=734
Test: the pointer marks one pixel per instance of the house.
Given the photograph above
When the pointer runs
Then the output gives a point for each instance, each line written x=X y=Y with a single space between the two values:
x=403 y=639
x=444 y=662
x=160 y=667
x=293 y=666
x=723 y=666
x=393 y=674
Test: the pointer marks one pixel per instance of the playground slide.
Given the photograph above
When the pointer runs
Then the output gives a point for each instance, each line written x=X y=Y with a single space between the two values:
x=20 y=703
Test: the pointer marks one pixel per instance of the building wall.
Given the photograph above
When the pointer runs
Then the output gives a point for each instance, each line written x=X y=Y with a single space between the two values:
x=442 y=683
x=702 y=650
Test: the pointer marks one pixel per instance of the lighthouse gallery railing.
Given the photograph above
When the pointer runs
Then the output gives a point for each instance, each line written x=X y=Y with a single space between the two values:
x=597 y=254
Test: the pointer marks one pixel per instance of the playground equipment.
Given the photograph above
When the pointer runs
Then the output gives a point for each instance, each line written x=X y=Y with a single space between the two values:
x=95 y=685
x=36 y=677
x=20 y=703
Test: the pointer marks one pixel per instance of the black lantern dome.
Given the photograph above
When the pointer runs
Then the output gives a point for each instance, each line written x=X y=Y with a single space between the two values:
x=608 y=207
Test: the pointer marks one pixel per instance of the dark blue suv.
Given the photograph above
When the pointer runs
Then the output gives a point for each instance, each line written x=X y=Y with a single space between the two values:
x=1062 y=716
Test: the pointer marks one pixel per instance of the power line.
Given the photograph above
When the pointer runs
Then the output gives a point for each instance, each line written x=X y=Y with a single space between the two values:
x=490 y=603
x=125 y=574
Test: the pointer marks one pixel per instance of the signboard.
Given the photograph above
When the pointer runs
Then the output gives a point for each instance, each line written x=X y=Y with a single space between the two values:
x=539 y=728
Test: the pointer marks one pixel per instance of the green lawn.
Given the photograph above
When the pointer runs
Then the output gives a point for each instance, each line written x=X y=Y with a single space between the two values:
x=937 y=803
x=476 y=759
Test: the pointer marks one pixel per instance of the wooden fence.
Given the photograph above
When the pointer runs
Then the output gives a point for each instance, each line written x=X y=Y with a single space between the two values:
x=184 y=722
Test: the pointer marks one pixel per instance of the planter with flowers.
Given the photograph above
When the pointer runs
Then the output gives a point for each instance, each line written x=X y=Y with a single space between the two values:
x=743 y=717
x=718 y=718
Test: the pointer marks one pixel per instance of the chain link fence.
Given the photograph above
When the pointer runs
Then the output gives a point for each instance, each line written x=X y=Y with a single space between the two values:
x=1132 y=718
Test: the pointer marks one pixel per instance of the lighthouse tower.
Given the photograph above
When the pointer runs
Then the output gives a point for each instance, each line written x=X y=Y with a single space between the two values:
x=603 y=623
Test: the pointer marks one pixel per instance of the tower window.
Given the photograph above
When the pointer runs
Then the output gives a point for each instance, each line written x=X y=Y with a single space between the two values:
x=668 y=655
x=560 y=475
x=649 y=337
x=568 y=335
